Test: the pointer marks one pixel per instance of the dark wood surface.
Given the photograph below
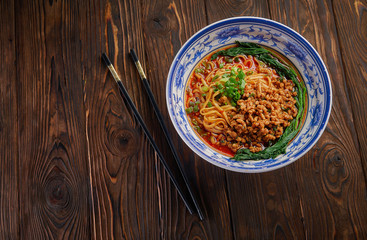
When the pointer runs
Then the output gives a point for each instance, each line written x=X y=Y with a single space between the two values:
x=75 y=164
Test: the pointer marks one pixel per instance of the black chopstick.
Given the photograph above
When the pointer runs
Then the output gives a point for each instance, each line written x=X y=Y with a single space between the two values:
x=164 y=128
x=125 y=94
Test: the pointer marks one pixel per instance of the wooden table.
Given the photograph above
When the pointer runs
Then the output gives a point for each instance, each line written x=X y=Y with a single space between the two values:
x=74 y=163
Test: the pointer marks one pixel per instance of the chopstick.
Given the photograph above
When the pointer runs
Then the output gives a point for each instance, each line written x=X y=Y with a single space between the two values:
x=125 y=94
x=164 y=128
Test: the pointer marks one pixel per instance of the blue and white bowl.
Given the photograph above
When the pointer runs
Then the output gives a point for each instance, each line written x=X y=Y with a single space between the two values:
x=267 y=33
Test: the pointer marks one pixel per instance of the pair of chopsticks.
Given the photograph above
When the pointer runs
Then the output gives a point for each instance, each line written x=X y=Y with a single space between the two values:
x=125 y=94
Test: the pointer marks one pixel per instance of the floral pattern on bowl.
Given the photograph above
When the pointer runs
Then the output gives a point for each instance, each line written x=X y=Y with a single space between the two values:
x=267 y=33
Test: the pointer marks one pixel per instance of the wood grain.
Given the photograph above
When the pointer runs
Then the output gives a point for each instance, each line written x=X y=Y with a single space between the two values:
x=54 y=189
x=74 y=163
x=9 y=214
x=351 y=22
x=332 y=170
x=261 y=204
x=169 y=24
x=121 y=160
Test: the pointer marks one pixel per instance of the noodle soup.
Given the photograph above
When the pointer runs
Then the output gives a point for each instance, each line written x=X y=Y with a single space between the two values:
x=245 y=101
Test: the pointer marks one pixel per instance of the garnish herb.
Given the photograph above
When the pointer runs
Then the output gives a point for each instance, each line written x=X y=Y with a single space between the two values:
x=205 y=88
x=266 y=57
x=189 y=110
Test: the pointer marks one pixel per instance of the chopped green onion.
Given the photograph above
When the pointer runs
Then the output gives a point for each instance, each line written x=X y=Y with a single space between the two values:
x=215 y=77
x=205 y=88
x=249 y=73
x=240 y=74
x=189 y=110
x=223 y=80
x=210 y=104
x=242 y=84
x=196 y=108
x=221 y=65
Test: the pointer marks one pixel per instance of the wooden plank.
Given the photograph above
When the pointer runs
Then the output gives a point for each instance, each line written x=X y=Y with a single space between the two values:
x=167 y=25
x=121 y=160
x=264 y=205
x=9 y=214
x=54 y=178
x=329 y=178
x=351 y=22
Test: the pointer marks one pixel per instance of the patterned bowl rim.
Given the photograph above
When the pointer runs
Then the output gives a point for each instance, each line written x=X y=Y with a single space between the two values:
x=272 y=23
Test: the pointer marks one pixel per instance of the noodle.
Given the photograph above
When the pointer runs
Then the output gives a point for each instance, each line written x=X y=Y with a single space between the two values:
x=239 y=103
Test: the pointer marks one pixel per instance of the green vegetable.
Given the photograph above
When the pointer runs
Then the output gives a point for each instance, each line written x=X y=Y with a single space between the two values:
x=210 y=104
x=242 y=84
x=205 y=88
x=196 y=108
x=266 y=57
x=242 y=49
x=232 y=84
x=189 y=110
x=241 y=74
x=221 y=65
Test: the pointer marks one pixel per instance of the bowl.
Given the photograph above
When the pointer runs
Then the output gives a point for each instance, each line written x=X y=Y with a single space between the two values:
x=268 y=33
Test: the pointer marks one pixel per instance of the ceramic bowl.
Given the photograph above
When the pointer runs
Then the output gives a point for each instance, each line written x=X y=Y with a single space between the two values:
x=267 y=33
